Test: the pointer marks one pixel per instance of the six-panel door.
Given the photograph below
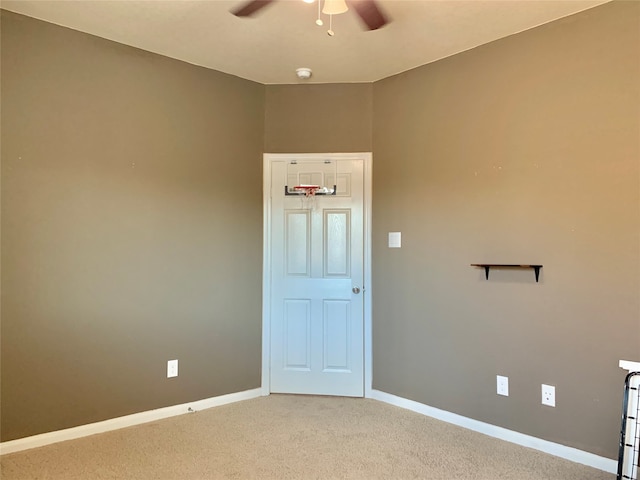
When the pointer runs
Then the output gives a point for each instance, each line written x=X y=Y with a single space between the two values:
x=317 y=260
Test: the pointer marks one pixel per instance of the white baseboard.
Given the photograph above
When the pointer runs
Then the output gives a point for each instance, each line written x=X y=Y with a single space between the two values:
x=126 y=421
x=562 y=451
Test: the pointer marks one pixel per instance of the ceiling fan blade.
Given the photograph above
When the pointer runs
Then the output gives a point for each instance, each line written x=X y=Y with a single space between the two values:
x=249 y=8
x=369 y=12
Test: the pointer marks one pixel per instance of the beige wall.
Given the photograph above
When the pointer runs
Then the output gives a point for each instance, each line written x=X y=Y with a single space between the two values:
x=318 y=118
x=126 y=241
x=526 y=150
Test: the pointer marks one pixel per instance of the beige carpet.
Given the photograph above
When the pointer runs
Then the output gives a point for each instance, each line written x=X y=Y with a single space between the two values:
x=292 y=437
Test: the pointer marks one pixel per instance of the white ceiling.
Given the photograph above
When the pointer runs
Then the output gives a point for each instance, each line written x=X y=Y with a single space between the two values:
x=268 y=47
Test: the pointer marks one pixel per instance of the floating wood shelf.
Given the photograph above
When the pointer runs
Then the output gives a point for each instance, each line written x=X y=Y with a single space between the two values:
x=487 y=267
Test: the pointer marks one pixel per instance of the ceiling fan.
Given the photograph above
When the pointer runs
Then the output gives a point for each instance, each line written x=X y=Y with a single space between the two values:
x=367 y=10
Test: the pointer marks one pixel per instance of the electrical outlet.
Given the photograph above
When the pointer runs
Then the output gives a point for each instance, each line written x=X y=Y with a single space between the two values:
x=502 y=384
x=172 y=368
x=548 y=395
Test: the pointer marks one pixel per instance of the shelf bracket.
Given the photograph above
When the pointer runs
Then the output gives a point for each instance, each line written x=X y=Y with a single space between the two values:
x=536 y=269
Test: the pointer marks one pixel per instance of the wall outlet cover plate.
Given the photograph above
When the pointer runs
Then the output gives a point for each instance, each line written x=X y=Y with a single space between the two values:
x=172 y=368
x=548 y=395
x=502 y=385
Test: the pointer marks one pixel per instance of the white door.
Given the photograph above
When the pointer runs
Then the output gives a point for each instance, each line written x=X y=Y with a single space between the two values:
x=317 y=272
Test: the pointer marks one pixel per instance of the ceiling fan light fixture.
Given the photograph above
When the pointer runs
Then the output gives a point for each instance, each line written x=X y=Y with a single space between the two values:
x=334 y=7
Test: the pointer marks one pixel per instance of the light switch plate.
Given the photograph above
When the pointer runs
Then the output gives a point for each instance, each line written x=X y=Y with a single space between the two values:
x=395 y=239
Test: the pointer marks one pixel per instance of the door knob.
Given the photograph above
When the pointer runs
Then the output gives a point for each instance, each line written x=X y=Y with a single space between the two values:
x=355 y=290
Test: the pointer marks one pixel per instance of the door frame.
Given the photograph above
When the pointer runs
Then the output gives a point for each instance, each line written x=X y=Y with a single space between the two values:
x=268 y=159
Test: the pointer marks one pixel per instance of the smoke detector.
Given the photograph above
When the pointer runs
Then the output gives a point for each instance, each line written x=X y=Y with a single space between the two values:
x=303 y=73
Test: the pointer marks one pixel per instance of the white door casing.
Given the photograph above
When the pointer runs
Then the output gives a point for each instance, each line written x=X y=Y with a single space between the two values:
x=316 y=329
